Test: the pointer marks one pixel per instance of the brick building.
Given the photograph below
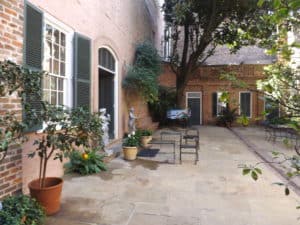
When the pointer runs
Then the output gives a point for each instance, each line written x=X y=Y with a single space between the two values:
x=203 y=92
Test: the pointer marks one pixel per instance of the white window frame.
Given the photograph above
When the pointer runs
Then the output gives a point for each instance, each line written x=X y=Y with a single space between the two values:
x=200 y=97
x=242 y=92
x=69 y=32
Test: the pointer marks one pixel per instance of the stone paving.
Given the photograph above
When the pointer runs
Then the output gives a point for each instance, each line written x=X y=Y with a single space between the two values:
x=156 y=192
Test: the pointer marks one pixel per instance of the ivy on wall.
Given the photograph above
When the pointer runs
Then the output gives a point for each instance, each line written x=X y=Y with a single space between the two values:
x=17 y=81
x=142 y=76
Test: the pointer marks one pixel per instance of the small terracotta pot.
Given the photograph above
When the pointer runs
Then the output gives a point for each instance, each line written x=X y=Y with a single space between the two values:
x=48 y=196
x=130 y=153
x=145 y=140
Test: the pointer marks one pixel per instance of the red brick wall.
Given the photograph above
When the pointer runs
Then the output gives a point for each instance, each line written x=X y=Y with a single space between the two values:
x=207 y=80
x=11 y=47
x=141 y=111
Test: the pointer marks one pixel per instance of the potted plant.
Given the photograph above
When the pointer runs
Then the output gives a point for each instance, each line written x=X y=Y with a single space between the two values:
x=130 y=146
x=65 y=132
x=145 y=137
x=243 y=120
x=21 y=209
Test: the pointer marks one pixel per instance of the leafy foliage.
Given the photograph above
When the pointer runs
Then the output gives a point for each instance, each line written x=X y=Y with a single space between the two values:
x=132 y=140
x=17 y=81
x=199 y=26
x=144 y=132
x=142 y=76
x=243 y=120
x=21 y=210
x=166 y=100
x=65 y=131
x=228 y=116
x=88 y=162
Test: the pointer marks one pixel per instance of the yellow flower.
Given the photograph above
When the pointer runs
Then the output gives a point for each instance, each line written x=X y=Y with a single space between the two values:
x=85 y=156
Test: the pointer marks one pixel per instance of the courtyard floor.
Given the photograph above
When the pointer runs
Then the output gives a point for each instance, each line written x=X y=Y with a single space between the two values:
x=156 y=192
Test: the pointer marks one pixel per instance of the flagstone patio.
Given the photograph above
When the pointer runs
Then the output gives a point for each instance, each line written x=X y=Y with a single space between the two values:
x=158 y=192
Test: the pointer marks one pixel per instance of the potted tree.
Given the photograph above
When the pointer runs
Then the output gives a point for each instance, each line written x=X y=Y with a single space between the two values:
x=145 y=137
x=130 y=146
x=64 y=132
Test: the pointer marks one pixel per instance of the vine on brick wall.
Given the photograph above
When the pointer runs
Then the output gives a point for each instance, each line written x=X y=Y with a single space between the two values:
x=17 y=82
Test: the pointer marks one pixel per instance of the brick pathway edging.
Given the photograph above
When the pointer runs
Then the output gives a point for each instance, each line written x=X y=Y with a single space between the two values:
x=255 y=150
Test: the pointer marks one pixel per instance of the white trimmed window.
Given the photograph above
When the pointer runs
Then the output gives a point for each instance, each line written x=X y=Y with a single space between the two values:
x=218 y=103
x=246 y=104
x=57 y=62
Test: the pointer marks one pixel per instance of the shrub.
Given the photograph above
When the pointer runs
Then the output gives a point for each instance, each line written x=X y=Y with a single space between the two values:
x=145 y=132
x=21 y=210
x=132 y=140
x=228 y=117
x=87 y=162
x=142 y=76
x=166 y=100
x=243 y=120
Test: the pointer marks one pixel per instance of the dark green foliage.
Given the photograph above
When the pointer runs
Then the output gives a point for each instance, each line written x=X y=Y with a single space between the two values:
x=228 y=117
x=142 y=76
x=89 y=162
x=65 y=132
x=27 y=85
x=143 y=81
x=144 y=132
x=16 y=208
x=166 y=100
x=132 y=140
x=148 y=58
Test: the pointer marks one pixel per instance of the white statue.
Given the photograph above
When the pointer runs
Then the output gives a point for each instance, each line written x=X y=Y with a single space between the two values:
x=106 y=120
x=131 y=121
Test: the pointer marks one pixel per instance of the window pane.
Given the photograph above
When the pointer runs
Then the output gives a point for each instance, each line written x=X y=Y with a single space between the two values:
x=62 y=54
x=53 y=97
x=46 y=96
x=46 y=82
x=56 y=36
x=60 y=84
x=53 y=83
x=56 y=51
x=60 y=98
x=48 y=32
x=48 y=65
x=62 y=69
x=48 y=49
x=245 y=104
x=55 y=67
x=63 y=39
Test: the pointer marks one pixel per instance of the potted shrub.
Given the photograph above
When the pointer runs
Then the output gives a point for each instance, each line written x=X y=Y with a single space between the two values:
x=65 y=131
x=21 y=209
x=130 y=146
x=145 y=137
x=243 y=120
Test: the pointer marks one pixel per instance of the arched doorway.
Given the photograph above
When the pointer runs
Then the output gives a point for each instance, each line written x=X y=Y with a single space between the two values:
x=108 y=89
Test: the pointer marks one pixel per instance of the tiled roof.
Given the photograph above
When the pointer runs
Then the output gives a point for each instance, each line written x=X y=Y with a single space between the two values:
x=246 y=55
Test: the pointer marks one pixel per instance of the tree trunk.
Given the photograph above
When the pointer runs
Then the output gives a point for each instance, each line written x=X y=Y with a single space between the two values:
x=180 y=86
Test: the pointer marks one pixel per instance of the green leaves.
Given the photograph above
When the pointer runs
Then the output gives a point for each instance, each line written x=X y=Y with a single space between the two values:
x=87 y=162
x=252 y=171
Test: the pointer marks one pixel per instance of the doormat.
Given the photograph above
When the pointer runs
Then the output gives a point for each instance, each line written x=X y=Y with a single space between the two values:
x=148 y=152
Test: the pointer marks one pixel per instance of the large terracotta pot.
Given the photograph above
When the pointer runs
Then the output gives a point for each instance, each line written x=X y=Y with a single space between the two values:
x=145 y=140
x=49 y=196
x=130 y=152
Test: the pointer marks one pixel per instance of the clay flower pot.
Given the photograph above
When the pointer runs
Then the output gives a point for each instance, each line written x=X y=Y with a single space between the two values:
x=145 y=140
x=48 y=196
x=130 y=153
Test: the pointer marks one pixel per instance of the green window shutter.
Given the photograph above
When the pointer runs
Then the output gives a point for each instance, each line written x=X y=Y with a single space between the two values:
x=82 y=71
x=245 y=104
x=33 y=37
x=33 y=54
x=214 y=104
